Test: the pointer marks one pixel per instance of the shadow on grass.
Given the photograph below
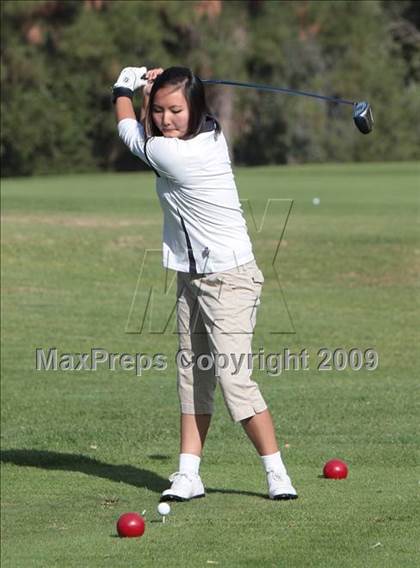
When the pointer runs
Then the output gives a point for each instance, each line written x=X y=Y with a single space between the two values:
x=44 y=459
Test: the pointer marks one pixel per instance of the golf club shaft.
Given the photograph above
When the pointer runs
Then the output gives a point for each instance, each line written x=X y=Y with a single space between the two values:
x=277 y=90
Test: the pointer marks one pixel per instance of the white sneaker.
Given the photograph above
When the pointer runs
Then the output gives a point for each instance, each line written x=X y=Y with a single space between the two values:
x=279 y=486
x=185 y=486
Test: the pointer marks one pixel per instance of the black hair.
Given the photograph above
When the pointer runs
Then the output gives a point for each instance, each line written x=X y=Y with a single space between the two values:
x=194 y=94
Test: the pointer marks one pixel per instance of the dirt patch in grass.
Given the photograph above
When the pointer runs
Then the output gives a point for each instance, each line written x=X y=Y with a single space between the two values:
x=392 y=265
x=401 y=277
x=26 y=289
x=88 y=221
x=126 y=241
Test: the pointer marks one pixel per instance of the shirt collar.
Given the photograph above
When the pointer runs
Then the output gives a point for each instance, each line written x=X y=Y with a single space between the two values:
x=208 y=125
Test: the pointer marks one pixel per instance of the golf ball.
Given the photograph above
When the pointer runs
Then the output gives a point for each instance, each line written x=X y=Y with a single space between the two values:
x=164 y=509
x=316 y=201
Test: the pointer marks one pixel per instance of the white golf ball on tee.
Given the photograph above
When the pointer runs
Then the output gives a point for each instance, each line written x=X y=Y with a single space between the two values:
x=316 y=201
x=164 y=509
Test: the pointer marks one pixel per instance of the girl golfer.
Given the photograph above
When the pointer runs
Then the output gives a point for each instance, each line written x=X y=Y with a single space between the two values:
x=205 y=240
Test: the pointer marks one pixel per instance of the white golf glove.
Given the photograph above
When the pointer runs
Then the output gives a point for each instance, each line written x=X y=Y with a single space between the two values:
x=131 y=78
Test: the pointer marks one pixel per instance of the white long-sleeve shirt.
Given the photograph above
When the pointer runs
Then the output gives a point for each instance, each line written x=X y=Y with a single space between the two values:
x=204 y=229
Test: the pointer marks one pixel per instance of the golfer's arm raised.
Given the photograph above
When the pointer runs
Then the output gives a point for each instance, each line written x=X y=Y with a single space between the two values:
x=129 y=80
x=163 y=154
x=124 y=109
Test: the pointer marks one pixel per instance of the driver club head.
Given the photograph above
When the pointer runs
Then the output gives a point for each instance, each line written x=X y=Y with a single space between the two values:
x=363 y=117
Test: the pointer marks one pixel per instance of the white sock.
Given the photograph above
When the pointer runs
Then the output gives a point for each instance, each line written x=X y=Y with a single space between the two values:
x=273 y=462
x=189 y=463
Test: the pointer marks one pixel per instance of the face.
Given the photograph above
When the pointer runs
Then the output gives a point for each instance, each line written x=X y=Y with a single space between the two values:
x=170 y=112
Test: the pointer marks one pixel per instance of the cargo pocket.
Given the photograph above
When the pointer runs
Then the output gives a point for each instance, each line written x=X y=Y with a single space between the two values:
x=258 y=277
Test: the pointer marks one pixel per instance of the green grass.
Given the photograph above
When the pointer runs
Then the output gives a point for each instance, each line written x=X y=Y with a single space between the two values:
x=80 y=448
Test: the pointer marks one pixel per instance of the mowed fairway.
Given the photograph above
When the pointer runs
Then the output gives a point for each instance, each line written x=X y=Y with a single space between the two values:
x=81 y=447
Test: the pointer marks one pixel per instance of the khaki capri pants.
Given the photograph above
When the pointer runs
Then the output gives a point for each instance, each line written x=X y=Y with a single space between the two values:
x=216 y=315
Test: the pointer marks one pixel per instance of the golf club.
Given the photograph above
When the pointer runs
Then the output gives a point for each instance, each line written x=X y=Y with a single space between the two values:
x=362 y=112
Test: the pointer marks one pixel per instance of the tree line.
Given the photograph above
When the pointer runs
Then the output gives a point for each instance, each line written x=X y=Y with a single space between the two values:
x=61 y=57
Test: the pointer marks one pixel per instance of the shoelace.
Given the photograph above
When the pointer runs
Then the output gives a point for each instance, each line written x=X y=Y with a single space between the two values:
x=180 y=474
